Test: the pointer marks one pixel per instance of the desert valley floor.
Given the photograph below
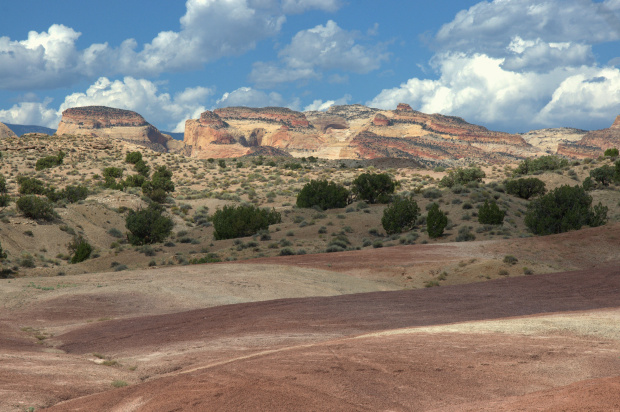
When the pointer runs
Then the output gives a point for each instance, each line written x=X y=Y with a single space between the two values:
x=298 y=333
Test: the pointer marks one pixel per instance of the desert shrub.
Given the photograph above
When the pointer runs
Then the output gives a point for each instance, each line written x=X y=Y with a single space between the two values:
x=2 y=253
x=374 y=188
x=525 y=188
x=49 y=161
x=293 y=166
x=133 y=157
x=563 y=209
x=74 y=194
x=30 y=186
x=134 y=181
x=5 y=200
x=114 y=232
x=114 y=172
x=510 y=260
x=244 y=220
x=543 y=163
x=401 y=215
x=81 y=250
x=142 y=168
x=490 y=214
x=436 y=221
x=603 y=175
x=222 y=163
x=147 y=226
x=35 y=207
x=612 y=152
x=324 y=194
x=465 y=235
x=588 y=184
x=160 y=182
x=462 y=176
x=432 y=193
x=3 y=188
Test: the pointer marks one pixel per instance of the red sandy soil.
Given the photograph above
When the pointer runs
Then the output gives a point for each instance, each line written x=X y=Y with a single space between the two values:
x=540 y=342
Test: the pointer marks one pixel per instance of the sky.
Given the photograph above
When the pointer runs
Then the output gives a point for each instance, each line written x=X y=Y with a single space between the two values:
x=509 y=65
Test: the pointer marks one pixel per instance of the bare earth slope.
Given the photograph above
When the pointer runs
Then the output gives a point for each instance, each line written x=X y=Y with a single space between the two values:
x=339 y=362
x=220 y=336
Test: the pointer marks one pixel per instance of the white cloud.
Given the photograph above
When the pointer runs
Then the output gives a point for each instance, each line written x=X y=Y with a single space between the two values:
x=210 y=29
x=488 y=26
x=249 y=97
x=321 y=48
x=299 y=6
x=143 y=97
x=320 y=105
x=477 y=88
x=31 y=113
x=541 y=56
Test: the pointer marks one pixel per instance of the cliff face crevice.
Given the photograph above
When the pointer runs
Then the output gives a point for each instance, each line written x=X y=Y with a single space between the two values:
x=108 y=122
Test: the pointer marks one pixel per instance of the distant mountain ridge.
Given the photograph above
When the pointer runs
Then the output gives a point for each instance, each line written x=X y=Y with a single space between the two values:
x=21 y=129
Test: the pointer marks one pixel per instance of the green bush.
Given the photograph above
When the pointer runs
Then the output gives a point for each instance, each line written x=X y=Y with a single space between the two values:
x=2 y=253
x=612 y=152
x=603 y=175
x=142 y=168
x=543 y=163
x=3 y=188
x=81 y=250
x=74 y=194
x=148 y=225
x=324 y=194
x=563 y=209
x=134 y=181
x=133 y=157
x=525 y=188
x=243 y=220
x=110 y=174
x=115 y=172
x=49 y=161
x=436 y=221
x=401 y=215
x=374 y=188
x=490 y=214
x=462 y=176
x=30 y=186
x=35 y=207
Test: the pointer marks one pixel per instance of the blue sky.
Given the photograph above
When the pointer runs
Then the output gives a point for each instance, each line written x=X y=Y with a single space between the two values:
x=510 y=65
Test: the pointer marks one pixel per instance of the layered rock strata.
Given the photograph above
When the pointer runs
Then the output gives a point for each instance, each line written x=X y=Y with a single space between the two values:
x=108 y=122
x=594 y=143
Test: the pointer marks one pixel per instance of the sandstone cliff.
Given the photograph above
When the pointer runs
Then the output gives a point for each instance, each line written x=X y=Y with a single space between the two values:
x=5 y=132
x=594 y=143
x=350 y=132
x=101 y=121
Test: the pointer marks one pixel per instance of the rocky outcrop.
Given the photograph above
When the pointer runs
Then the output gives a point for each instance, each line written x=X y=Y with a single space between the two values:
x=381 y=120
x=350 y=132
x=108 y=122
x=267 y=114
x=5 y=132
x=548 y=139
x=594 y=143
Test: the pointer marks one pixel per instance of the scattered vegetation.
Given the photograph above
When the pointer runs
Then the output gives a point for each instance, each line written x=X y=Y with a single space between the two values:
x=49 y=161
x=147 y=226
x=490 y=214
x=243 y=220
x=323 y=194
x=541 y=164
x=436 y=221
x=462 y=176
x=374 y=187
x=525 y=188
x=401 y=215
x=563 y=209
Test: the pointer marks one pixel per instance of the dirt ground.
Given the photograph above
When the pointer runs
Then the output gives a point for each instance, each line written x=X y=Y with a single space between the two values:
x=332 y=331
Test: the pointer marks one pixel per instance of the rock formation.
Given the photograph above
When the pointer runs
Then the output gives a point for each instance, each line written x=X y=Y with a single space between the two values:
x=350 y=132
x=5 y=132
x=101 y=121
x=594 y=143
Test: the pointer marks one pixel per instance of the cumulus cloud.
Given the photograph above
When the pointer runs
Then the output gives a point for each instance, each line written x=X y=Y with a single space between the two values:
x=299 y=6
x=488 y=26
x=249 y=97
x=540 y=56
x=34 y=113
x=209 y=30
x=143 y=97
x=477 y=88
x=324 y=47
x=320 y=105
